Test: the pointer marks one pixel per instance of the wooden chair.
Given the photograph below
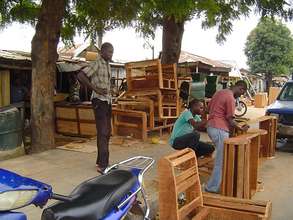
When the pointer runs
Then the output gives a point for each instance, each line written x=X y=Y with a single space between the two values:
x=180 y=195
x=178 y=174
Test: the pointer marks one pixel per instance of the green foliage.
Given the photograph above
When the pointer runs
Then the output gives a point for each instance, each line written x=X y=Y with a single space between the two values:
x=88 y=17
x=217 y=13
x=269 y=48
x=23 y=11
x=91 y=17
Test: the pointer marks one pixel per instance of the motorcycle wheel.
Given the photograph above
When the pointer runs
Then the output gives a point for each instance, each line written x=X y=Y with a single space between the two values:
x=241 y=109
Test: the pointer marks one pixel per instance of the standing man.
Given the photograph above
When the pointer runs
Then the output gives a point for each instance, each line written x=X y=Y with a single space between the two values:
x=221 y=120
x=97 y=77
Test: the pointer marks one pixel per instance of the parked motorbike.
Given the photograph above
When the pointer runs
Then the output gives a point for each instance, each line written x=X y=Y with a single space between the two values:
x=111 y=196
x=241 y=108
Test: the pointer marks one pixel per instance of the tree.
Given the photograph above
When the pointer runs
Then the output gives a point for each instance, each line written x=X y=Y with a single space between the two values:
x=172 y=15
x=269 y=49
x=44 y=57
x=53 y=17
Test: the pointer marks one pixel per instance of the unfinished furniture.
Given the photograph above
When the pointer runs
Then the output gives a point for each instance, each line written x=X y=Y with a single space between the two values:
x=152 y=91
x=129 y=123
x=75 y=119
x=240 y=165
x=229 y=208
x=180 y=195
x=177 y=173
x=268 y=140
x=139 y=104
x=260 y=100
x=151 y=74
x=273 y=94
x=166 y=103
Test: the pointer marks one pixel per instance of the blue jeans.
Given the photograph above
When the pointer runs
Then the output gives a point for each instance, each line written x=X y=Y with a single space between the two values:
x=217 y=136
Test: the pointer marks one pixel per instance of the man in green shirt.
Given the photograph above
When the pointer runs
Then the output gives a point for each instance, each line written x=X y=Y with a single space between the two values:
x=185 y=134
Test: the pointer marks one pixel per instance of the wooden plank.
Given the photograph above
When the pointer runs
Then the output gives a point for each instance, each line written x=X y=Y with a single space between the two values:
x=254 y=162
x=257 y=207
x=185 y=174
x=86 y=114
x=179 y=153
x=188 y=208
x=67 y=127
x=141 y=64
x=247 y=190
x=230 y=171
x=125 y=124
x=224 y=170
x=186 y=157
x=186 y=184
x=240 y=171
x=4 y=88
x=88 y=129
x=202 y=214
x=66 y=113
x=168 y=197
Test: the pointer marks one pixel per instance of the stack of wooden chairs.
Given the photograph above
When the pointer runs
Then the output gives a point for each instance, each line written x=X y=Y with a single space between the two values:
x=181 y=197
x=151 y=102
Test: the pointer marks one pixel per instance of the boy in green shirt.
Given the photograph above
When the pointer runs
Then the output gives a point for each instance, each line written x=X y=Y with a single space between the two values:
x=185 y=134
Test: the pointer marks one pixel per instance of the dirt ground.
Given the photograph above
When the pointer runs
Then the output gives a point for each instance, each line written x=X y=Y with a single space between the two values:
x=71 y=163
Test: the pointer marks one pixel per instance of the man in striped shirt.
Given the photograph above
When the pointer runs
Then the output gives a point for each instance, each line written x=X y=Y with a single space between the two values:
x=97 y=77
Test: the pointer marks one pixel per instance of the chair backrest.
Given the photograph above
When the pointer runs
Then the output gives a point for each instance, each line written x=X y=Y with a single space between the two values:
x=180 y=192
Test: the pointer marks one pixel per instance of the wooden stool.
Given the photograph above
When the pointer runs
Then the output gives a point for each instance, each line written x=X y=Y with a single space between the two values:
x=178 y=175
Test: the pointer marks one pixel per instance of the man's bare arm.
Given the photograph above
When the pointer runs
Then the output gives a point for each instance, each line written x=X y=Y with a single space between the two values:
x=234 y=124
x=195 y=124
x=84 y=80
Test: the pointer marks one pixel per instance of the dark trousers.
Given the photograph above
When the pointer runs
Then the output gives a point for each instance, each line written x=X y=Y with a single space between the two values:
x=103 y=113
x=192 y=141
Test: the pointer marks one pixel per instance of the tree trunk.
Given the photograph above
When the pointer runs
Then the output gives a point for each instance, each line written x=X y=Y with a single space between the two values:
x=44 y=57
x=100 y=39
x=172 y=39
x=269 y=81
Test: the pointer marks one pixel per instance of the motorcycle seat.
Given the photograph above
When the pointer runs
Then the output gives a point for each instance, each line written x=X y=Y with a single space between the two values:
x=95 y=198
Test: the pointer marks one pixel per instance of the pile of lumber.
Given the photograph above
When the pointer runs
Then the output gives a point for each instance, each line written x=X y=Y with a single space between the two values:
x=152 y=94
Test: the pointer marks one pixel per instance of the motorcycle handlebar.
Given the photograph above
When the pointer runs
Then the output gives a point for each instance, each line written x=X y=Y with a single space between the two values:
x=61 y=197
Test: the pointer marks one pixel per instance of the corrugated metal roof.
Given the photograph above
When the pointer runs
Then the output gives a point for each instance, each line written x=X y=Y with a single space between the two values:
x=186 y=57
x=15 y=55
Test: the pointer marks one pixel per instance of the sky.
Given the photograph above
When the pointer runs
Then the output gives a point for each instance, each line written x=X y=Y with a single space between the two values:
x=129 y=45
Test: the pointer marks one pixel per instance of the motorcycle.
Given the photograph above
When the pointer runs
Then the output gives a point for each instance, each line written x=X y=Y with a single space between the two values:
x=241 y=108
x=110 y=196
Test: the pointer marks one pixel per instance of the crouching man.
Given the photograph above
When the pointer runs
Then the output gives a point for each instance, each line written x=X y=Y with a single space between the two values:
x=185 y=134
